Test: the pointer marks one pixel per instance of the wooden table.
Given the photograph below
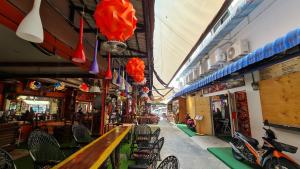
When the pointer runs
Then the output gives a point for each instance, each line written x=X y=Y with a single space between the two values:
x=94 y=154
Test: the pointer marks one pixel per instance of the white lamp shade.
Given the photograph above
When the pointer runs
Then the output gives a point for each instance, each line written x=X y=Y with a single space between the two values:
x=95 y=89
x=31 y=28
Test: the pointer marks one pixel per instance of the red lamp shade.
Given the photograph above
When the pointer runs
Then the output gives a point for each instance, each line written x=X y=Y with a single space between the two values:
x=84 y=87
x=79 y=54
x=115 y=19
x=108 y=74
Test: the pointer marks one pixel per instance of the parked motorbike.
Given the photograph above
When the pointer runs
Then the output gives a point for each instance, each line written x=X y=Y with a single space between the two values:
x=269 y=156
x=190 y=123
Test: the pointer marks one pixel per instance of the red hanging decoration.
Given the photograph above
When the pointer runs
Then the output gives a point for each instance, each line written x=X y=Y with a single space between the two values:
x=108 y=74
x=115 y=19
x=135 y=67
x=79 y=54
x=145 y=89
x=84 y=87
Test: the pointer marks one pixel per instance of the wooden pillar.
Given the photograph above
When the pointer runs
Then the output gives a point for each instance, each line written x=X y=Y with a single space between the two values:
x=102 y=116
x=69 y=104
x=2 y=96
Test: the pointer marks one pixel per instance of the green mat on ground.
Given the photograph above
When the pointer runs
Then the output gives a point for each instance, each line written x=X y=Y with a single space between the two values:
x=124 y=153
x=224 y=154
x=185 y=129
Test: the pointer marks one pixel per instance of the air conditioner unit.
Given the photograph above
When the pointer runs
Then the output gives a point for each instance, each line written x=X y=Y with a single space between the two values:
x=191 y=77
x=181 y=84
x=220 y=56
x=186 y=80
x=204 y=67
x=237 y=50
x=200 y=71
x=211 y=66
x=195 y=74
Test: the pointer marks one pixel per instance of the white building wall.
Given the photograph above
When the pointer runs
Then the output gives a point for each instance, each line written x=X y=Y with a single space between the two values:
x=272 y=19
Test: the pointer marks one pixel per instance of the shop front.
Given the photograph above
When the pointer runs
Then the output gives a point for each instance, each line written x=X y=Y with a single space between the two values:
x=228 y=108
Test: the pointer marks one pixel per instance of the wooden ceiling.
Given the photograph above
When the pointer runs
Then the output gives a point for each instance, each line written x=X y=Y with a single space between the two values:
x=61 y=22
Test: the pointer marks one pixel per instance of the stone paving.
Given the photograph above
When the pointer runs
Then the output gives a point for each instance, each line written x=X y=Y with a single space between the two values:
x=190 y=154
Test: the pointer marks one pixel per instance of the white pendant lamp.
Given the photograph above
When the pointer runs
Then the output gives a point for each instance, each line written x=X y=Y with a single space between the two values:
x=95 y=89
x=31 y=28
x=123 y=87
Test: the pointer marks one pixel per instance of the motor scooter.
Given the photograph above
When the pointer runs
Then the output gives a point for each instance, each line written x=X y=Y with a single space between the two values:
x=269 y=156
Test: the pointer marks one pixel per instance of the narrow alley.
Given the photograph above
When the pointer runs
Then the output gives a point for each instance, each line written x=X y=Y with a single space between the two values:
x=190 y=154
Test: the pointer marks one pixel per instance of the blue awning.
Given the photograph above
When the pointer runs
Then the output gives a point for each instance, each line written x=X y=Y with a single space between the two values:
x=281 y=44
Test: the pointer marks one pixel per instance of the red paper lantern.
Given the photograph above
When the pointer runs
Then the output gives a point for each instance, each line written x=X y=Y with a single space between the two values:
x=115 y=19
x=135 y=67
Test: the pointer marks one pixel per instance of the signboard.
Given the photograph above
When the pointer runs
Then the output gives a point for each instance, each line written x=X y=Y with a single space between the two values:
x=280 y=69
x=232 y=83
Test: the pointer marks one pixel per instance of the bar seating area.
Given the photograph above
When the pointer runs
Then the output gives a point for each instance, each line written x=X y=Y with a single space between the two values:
x=74 y=92
x=46 y=152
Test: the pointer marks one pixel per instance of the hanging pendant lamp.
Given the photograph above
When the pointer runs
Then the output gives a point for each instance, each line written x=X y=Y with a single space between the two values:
x=94 y=69
x=108 y=74
x=123 y=82
x=31 y=28
x=119 y=76
x=126 y=85
x=79 y=54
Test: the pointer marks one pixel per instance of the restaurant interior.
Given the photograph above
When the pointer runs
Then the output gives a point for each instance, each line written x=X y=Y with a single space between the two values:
x=74 y=92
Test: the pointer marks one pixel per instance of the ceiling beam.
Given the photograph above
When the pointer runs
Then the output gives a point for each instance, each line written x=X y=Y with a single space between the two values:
x=36 y=64
x=46 y=75
x=125 y=56
x=94 y=30
x=136 y=50
x=91 y=12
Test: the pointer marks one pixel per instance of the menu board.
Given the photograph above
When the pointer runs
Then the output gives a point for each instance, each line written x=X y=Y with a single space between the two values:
x=282 y=68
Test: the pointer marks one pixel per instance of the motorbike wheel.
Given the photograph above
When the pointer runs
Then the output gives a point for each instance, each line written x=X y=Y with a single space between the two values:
x=280 y=164
x=236 y=155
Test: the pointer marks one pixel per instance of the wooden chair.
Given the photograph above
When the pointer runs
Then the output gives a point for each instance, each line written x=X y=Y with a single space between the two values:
x=6 y=161
x=8 y=136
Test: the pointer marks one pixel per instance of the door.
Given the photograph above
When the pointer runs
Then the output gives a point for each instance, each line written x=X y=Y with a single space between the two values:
x=202 y=109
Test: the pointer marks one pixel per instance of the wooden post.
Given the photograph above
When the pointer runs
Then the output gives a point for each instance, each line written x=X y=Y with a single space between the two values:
x=1 y=96
x=102 y=116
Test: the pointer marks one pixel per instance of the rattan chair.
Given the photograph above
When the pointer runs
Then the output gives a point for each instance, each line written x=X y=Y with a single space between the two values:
x=81 y=134
x=6 y=161
x=40 y=137
x=158 y=147
x=155 y=136
x=170 y=162
x=150 y=164
x=141 y=137
x=44 y=150
x=143 y=154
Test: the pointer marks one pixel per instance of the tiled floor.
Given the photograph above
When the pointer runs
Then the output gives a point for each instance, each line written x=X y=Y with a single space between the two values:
x=209 y=141
x=189 y=153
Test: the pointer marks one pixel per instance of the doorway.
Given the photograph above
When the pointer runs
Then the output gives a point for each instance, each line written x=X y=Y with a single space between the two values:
x=221 y=116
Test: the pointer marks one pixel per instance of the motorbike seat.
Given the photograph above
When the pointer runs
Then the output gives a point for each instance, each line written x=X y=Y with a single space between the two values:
x=250 y=140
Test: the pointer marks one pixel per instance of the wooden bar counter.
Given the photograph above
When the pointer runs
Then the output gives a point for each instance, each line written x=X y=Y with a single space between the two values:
x=94 y=154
